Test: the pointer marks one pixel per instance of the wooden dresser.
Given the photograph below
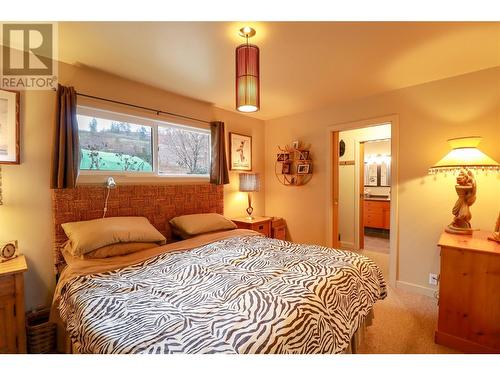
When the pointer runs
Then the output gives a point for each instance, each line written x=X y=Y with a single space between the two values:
x=377 y=213
x=12 y=328
x=260 y=224
x=469 y=293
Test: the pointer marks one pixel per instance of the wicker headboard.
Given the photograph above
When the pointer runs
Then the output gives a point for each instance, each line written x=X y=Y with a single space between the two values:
x=159 y=203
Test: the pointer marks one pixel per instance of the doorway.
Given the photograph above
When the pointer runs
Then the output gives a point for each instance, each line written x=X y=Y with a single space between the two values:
x=363 y=192
x=375 y=195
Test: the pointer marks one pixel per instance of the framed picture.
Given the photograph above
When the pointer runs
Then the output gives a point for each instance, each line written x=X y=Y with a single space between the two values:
x=285 y=169
x=240 y=156
x=304 y=155
x=283 y=156
x=303 y=168
x=9 y=127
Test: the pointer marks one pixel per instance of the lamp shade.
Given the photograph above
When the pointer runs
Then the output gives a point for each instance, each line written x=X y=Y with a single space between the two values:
x=464 y=153
x=247 y=78
x=249 y=182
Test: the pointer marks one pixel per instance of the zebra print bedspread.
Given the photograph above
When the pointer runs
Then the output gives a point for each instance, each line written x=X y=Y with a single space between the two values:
x=245 y=294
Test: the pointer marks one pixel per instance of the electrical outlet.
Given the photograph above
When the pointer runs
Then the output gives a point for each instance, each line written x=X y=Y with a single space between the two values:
x=433 y=279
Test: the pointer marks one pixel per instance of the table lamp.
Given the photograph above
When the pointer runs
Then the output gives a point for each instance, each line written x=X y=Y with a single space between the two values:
x=249 y=182
x=463 y=158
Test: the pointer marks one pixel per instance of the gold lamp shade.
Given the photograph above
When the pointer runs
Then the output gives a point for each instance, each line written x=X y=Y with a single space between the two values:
x=464 y=154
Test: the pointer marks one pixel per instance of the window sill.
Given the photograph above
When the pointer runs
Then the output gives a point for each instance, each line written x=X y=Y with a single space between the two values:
x=93 y=178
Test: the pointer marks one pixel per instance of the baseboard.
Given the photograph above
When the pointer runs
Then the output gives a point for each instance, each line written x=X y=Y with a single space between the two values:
x=414 y=288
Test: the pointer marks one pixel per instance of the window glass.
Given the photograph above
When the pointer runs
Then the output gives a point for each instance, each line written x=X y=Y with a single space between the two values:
x=183 y=151
x=109 y=145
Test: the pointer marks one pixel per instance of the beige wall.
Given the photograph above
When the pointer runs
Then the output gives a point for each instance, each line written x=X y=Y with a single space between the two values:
x=428 y=115
x=26 y=214
x=235 y=202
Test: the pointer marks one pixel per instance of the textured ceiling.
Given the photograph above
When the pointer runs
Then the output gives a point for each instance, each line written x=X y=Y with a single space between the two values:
x=304 y=65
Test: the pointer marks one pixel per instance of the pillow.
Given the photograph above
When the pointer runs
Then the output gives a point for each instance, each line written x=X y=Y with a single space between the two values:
x=187 y=226
x=86 y=236
x=117 y=249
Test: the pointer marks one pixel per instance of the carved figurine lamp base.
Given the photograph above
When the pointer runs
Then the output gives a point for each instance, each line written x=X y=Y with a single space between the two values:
x=464 y=157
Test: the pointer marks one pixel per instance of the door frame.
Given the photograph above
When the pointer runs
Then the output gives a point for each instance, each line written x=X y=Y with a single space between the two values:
x=361 y=194
x=332 y=219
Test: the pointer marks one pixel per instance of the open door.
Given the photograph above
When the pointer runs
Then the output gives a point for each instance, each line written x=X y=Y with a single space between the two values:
x=361 y=195
x=335 y=188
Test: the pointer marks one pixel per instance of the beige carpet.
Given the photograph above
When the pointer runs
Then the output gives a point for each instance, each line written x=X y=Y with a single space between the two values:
x=377 y=244
x=404 y=322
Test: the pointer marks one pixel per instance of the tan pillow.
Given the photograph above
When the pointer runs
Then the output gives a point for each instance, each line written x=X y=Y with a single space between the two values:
x=86 y=236
x=117 y=249
x=187 y=226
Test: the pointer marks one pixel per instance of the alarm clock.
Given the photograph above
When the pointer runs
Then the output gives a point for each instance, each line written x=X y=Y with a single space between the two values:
x=8 y=250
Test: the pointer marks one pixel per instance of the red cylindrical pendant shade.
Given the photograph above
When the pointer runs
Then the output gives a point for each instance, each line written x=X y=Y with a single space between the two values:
x=247 y=78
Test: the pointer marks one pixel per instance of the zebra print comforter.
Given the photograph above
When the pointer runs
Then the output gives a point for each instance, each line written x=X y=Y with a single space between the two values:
x=244 y=294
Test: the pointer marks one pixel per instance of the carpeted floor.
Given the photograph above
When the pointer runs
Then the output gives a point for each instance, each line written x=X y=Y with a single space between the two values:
x=404 y=322
x=378 y=244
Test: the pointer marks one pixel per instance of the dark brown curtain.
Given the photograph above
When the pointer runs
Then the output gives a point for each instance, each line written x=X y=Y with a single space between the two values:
x=65 y=151
x=219 y=174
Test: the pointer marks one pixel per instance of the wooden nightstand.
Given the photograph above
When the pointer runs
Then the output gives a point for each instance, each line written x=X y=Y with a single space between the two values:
x=259 y=224
x=469 y=290
x=278 y=228
x=12 y=329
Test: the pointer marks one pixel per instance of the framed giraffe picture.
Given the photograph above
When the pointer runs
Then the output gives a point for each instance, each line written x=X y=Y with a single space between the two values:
x=240 y=155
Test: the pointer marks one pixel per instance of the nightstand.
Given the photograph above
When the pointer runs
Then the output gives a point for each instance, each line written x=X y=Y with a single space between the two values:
x=260 y=224
x=278 y=227
x=469 y=290
x=12 y=329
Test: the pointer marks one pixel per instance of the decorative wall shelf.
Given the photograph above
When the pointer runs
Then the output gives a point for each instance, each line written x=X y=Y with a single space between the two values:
x=293 y=166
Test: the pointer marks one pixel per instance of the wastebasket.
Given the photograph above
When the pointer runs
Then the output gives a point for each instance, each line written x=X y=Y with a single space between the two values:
x=40 y=333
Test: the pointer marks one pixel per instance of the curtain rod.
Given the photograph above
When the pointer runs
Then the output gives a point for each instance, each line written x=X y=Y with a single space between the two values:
x=157 y=111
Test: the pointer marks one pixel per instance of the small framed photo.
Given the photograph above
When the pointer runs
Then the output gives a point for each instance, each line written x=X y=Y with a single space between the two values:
x=9 y=127
x=304 y=155
x=241 y=152
x=285 y=169
x=283 y=156
x=303 y=168
x=295 y=145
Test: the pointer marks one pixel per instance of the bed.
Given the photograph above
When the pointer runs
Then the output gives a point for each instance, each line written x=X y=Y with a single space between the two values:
x=234 y=291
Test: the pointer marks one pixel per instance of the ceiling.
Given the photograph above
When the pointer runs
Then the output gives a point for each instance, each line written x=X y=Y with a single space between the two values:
x=304 y=65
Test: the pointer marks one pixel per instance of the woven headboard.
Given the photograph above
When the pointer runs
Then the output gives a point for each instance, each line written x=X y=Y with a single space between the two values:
x=159 y=203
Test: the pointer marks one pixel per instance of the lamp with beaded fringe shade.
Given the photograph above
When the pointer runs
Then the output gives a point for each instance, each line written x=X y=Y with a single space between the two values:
x=463 y=158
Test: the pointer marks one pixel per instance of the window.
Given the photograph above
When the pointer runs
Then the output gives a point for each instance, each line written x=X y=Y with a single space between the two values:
x=115 y=142
x=183 y=151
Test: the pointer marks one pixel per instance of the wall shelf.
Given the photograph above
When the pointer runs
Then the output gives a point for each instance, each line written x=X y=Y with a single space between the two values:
x=293 y=166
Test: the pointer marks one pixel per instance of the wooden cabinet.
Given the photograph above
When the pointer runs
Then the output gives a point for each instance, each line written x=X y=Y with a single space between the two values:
x=12 y=329
x=469 y=293
x=259 y=224
x=278 y=228
x=377 y=214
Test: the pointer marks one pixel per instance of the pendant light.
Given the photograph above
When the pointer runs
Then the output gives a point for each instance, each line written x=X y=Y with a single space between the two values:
x=247 y=74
